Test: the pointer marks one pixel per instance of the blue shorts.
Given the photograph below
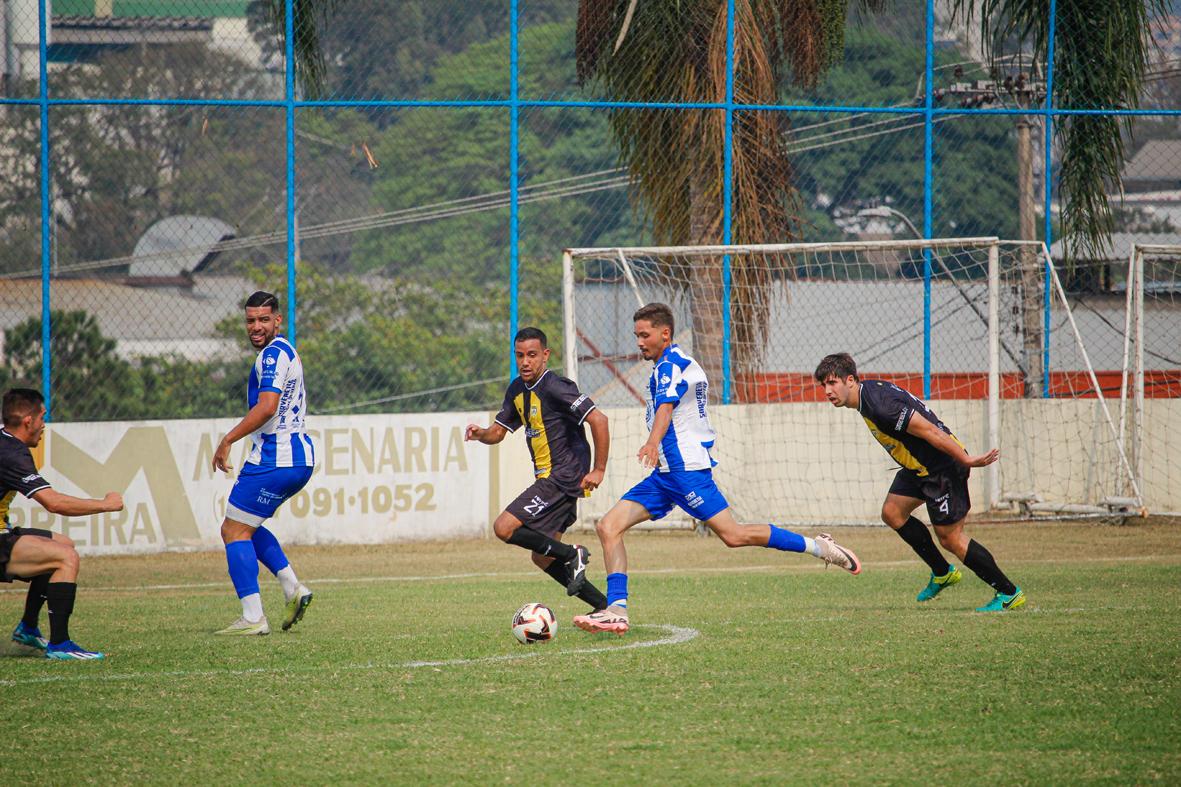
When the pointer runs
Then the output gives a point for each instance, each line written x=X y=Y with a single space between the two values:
x=259 y=491
x=693 y=491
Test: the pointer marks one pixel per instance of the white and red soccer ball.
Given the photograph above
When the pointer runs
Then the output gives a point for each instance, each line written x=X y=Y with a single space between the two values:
x=534 y=623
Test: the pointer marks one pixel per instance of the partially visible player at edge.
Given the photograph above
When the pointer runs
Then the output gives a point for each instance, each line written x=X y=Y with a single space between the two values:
x=678 y=448
x=935 y=470
x=44 y=559
x=553 y=411
x=280 y=464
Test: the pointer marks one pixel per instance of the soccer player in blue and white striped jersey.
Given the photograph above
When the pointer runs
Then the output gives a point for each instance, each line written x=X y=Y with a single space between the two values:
x=280 y=463
x=677 y=449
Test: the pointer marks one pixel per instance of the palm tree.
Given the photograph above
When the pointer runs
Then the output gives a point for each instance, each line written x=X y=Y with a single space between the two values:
x=1101 y=57
x=675 y=50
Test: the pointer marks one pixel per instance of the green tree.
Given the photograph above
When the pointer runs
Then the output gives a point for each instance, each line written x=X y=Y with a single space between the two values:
x=116 y=170
x=89 y=381
x=438 y=155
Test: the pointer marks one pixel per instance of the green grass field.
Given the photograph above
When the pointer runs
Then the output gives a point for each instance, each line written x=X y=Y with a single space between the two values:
x=757 y=667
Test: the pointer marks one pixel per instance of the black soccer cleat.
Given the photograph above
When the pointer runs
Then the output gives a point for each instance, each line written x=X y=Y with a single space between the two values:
x=576 y=570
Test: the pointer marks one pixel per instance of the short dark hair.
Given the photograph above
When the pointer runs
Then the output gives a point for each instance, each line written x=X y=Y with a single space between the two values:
x=525 y=334
x=840 y=364
x=262 y=298
x=659 y=314
x=19 y=402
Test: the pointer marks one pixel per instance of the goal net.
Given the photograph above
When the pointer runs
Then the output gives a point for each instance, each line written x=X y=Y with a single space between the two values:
x=1151 y=391
x=760 y=318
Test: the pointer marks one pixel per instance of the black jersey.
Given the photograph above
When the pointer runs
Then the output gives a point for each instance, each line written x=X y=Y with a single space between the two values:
x=552 y=411
x=887 y=410
x=18 y=473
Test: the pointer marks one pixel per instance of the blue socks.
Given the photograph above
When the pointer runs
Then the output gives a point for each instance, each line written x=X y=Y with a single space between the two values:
x=786 y=541
x=243 y=563
x=270 y=554
x=617 y=590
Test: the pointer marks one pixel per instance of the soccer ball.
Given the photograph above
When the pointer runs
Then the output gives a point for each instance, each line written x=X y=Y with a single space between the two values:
x=534 y=623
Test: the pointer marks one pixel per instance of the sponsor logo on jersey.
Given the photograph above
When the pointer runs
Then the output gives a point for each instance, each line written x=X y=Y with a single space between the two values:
x=901 y=419
x=30 y=478
x=577 y=402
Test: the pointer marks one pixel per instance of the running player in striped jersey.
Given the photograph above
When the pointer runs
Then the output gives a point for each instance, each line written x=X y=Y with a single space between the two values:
x=552 y=411
x=280 y=463
x=934 y=469
x=678 y=449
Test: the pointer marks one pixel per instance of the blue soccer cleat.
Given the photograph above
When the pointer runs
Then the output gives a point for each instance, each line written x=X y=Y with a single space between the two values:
x=1003 y=602
x=71 y=651
x=29 y=636
x=935 y=585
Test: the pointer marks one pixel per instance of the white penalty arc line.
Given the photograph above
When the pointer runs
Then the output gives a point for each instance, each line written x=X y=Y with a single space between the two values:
x=675 y=635
x=21 y=590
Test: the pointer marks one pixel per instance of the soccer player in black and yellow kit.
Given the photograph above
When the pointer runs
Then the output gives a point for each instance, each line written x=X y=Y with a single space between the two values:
x=553 y=412
x=935 y=469
x=46 y=560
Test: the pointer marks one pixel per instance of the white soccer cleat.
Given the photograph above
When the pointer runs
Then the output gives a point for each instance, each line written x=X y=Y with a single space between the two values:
x=244 y=628
x=612 y=619
x=833 y=554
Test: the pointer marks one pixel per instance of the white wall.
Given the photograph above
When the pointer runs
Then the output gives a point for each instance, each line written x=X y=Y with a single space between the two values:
x=412 y=477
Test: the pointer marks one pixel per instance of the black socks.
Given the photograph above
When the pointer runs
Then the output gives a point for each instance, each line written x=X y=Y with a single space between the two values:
x=981 y=562
x=35 y=600
x=528 y=538
x=916 y=534
x=589 y=593
x=61 y=604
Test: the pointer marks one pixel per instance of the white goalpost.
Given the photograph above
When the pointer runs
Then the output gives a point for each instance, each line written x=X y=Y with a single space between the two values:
x=760 y=317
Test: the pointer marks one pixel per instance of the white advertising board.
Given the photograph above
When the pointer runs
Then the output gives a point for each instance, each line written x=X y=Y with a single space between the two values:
x=378 y=478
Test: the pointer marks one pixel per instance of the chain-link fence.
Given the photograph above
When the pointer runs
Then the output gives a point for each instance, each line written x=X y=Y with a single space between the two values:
x=406 y=178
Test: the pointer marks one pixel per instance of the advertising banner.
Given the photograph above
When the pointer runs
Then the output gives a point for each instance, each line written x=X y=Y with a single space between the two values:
x=378 y=478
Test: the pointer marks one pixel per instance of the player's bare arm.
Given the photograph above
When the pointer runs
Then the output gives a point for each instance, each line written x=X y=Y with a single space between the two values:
x=490 y=435
x=649 y=454
x=263 y=411
x=601 y=437
x=922 y=428
x=67 y=505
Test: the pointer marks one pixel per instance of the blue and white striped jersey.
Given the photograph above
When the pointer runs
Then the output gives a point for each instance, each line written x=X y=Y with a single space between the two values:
x=281 y=441
x=679 y=379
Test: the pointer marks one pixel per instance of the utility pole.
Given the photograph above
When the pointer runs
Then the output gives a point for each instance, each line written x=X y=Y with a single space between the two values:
x=1026 y=92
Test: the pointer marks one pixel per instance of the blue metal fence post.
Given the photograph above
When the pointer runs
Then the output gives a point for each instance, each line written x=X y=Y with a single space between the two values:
x=1048 y=179
x=727 y=200
x=514 y=275
x=928 y=149
x=43 y=34
x=46 y=215
x=289 y=109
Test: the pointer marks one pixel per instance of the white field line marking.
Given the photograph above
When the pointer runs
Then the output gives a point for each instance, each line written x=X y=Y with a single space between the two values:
x=20 y=589
x=676 y=635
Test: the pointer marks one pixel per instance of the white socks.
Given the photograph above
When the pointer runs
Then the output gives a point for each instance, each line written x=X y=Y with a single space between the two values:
x=810 y=546
x=252 y=608
x=290 y=584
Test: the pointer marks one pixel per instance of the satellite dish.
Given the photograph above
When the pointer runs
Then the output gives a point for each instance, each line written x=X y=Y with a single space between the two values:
x=177 y=244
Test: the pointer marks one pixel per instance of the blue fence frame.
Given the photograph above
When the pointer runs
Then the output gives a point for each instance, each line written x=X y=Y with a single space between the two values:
x=290 y=104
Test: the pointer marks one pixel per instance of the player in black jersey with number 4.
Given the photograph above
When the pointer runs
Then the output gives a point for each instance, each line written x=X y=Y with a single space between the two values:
x=935 y=469
x=46 y=560
x=553 y=411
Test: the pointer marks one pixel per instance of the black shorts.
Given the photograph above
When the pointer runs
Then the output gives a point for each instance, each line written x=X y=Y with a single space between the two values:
x=545 y=507
x=945 y=493
x=7 y=539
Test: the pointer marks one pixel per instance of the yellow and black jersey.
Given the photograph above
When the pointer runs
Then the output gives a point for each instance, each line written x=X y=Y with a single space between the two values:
x=552 y=410
x=887 y=410
x=18 y=473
